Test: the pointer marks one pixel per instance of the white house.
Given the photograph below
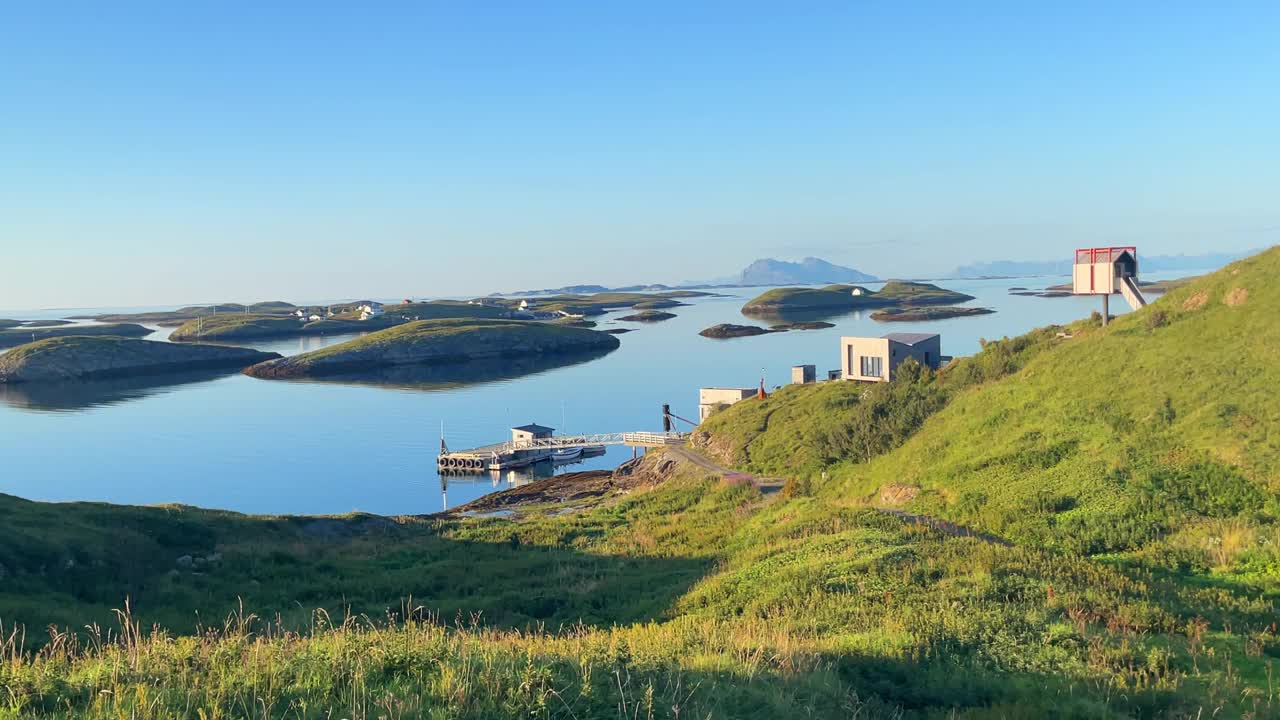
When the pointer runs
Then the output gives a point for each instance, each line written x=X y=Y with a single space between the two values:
x=868 y=359
x=370 y=310
x=857 y=292
x=314 y=317
x=525 y=305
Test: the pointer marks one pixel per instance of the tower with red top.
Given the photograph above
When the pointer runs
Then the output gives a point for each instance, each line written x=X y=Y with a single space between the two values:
x=1106 y=271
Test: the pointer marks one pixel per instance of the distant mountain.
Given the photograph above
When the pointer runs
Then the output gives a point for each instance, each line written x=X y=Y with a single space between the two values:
x=809 y=271
x=1017 y=268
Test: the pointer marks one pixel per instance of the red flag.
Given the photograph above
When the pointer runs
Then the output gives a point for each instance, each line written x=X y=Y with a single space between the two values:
x=762 y=394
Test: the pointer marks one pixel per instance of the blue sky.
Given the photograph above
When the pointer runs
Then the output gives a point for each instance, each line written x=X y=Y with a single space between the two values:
x=165 y=153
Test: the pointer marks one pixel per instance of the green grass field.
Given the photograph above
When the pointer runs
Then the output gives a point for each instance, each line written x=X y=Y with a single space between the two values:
x=1124 y=481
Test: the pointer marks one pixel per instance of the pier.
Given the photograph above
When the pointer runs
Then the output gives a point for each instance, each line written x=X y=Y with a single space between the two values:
x=530 y=444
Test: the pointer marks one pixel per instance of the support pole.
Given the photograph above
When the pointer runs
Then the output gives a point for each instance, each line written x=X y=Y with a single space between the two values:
x=1106 y=310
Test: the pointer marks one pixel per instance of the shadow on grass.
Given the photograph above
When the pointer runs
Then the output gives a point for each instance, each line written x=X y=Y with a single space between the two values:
x=72 y=564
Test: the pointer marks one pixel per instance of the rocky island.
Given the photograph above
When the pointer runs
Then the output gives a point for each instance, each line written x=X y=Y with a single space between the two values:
x=425 y=342
x=87 y=358
x=724 y=331
x=844 y=298
x=13 y=337
x=648 y=316
x=930 y=312
x=802 y=325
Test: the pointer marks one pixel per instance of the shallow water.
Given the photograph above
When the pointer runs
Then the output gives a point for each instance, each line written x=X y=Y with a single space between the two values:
x=269 y=446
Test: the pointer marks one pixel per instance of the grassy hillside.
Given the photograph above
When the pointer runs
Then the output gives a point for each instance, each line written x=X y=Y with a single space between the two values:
x=1131 y=438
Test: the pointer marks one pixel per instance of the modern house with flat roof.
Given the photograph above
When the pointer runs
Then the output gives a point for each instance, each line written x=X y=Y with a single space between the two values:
x=804 y=374
x=868 y=359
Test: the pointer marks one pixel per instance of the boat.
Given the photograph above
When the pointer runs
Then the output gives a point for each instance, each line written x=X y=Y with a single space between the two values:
x=564 y=455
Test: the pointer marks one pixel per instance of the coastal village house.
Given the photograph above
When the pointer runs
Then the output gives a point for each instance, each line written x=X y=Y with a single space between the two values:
x=868 y=359
x=714 y=398
x=370 y=309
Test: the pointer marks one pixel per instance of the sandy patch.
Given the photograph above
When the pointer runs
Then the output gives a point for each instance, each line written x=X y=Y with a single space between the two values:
x=898 y=494
x=1196 y=301
x=1236 y=297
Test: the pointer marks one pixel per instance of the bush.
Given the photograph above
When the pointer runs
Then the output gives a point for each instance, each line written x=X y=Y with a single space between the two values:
x=1157 y=318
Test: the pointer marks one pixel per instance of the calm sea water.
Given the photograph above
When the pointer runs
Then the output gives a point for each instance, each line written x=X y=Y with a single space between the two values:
x=263 y=446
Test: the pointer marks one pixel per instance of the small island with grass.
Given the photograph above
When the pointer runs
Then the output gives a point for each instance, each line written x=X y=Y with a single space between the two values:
x=648 y=316
x=21 y=335
x=424 y=342
x=724 y=331
x=87 y=358
x=928 y=312
x=844 y=298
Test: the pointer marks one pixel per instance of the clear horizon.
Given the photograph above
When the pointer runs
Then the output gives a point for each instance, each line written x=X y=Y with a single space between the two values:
x=156 y=154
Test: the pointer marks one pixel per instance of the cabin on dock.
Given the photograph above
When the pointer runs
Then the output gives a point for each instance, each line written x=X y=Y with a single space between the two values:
x=876 y=359
x=528 y=433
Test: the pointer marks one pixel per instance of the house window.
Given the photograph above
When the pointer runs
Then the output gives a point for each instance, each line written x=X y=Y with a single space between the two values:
x=872 y=367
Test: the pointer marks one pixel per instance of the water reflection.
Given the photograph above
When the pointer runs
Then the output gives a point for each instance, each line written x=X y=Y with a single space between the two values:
x=72 y=396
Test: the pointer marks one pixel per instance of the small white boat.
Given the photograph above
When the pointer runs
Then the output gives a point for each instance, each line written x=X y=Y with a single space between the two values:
x=566 y=454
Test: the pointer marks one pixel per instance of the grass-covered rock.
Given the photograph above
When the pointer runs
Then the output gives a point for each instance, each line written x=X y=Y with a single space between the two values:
x=83 y=358
x=438 y=341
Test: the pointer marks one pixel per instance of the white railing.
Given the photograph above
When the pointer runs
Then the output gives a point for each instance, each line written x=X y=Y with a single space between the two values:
x=631 y=438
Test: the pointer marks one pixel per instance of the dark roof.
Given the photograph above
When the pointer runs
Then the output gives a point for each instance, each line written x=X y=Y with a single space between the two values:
x=909 y=338
x=535 y=428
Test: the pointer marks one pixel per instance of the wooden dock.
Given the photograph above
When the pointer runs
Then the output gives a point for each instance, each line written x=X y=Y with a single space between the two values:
x=525 y=452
